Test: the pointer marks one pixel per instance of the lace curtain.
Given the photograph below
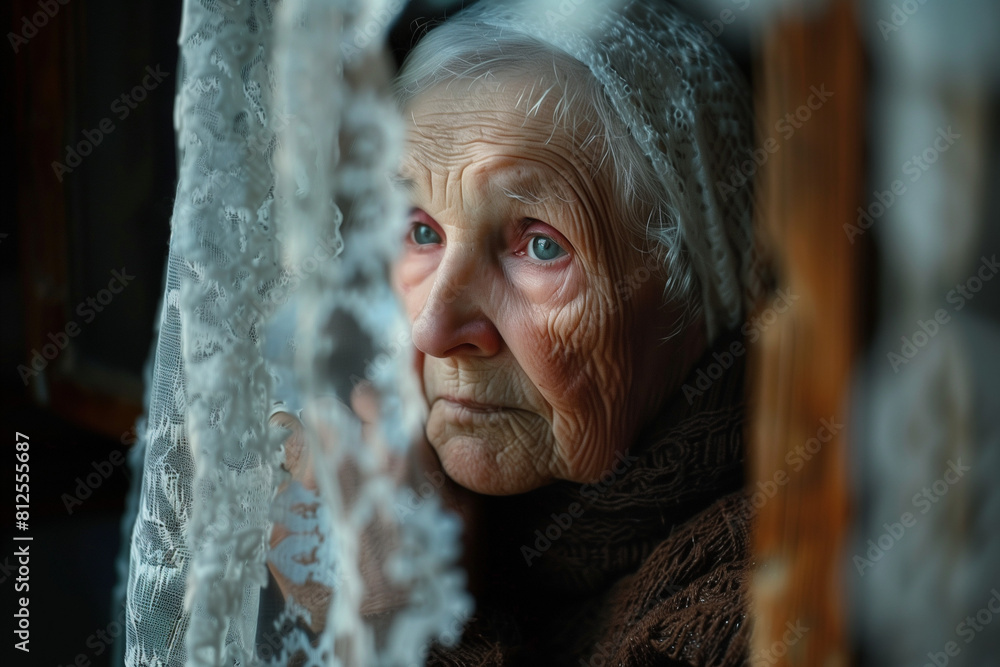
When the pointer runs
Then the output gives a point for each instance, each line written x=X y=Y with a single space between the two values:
x=284 y=222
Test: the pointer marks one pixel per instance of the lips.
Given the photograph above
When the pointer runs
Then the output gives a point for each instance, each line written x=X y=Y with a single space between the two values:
x=470 y=404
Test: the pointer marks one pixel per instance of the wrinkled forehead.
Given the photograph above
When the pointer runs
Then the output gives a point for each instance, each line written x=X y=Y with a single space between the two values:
x=519 y=112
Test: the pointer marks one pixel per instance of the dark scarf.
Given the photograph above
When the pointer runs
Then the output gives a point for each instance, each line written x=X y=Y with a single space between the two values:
x=645 y=567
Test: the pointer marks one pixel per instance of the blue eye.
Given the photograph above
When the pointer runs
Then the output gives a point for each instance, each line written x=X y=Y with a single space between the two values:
x=424 y=234
x=544 y=248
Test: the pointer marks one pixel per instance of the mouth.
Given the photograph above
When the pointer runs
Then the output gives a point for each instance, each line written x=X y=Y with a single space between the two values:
x=470 y=405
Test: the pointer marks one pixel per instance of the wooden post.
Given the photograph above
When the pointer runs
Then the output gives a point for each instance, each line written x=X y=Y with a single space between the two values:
x=809 y=101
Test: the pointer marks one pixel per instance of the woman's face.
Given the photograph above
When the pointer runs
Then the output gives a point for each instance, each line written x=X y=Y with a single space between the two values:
x=537 y=323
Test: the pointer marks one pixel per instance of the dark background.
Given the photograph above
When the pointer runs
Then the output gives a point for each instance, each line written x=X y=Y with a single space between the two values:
x=63 y=239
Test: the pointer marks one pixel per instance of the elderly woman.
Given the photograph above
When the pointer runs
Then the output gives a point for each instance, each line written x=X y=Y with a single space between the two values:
x=570 y=262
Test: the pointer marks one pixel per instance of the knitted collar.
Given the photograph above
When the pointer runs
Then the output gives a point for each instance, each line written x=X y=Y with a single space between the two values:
x=568 y=538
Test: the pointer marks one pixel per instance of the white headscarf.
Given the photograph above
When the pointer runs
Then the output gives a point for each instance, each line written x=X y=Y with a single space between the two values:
x=687 y=106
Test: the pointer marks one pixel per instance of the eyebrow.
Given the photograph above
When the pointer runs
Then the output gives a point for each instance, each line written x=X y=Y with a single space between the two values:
x=524 y=193
x=533 y=188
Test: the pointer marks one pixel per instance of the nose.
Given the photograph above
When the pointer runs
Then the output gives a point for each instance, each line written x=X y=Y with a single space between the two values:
x=452 y=320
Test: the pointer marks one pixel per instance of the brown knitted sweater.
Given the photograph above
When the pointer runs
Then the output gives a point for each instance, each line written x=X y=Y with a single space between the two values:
x=648 y=566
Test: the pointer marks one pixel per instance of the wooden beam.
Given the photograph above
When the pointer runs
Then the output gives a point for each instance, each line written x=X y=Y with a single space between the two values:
x=811 y=75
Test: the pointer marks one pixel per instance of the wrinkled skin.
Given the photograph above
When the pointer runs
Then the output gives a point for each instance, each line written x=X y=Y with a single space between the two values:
x=538 y=361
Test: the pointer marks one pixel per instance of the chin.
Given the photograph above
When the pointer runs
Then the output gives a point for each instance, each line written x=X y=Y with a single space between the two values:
x=475 y=452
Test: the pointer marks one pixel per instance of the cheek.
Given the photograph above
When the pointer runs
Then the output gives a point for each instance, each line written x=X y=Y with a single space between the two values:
x=578 y=366
x=412 y=279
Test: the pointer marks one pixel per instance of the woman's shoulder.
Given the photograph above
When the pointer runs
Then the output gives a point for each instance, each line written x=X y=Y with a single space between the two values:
x=688 y=602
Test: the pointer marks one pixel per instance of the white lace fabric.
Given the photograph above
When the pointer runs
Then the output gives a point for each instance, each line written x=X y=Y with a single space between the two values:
x=259 y=251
